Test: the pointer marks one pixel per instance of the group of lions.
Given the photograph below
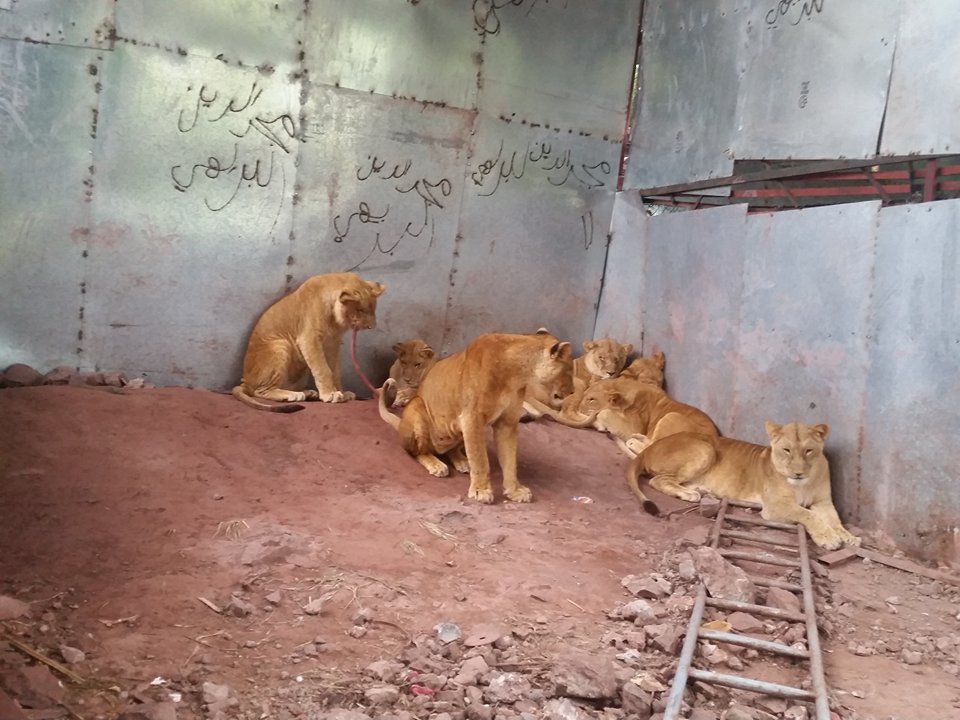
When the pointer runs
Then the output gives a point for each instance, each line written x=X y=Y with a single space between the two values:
x=498 y=379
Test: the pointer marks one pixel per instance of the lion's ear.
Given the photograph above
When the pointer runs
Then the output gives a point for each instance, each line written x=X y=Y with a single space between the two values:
x=821 y=431
x=616 y=399
x=542 y=331
x=398 y=348
x=627 y=349
x=589 y=345
x=561 y=350
x=773 y=430
x=349 y=296
x=377 y=289
x=658 y=358
x=426 y=352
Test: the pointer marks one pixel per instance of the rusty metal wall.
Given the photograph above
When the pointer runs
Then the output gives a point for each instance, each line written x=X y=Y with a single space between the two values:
x=846 y=315
x=801 y=79
x=172 y=168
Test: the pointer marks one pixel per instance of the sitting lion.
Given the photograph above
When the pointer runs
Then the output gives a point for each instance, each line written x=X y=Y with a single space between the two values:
x=300 y=335
x=790 y=477
x=602 y=359
x=414 y=359
x=482 y=385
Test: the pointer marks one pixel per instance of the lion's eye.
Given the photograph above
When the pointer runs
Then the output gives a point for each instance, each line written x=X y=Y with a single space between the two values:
x=786 y=451
x=808 y=452
x=417 y=366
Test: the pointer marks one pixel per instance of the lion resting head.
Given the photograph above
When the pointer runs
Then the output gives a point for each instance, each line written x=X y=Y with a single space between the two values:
x=647 y=370
x=797 y=450
x=611 y=394
x=605 y=358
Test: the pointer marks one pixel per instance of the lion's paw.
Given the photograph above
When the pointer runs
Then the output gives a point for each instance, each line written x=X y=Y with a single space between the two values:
x=332 y=397
x=484 y=495
x=438 y=469
x=520 y=494
x=637 y=443
x=310 y=395
x=850 y=539
x=689 y=495
x=462 y=465
x=348 y=395
x=828 y=542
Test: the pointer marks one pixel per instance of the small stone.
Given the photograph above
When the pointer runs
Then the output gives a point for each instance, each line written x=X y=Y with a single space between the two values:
x=479 y=711
x=384 y=670
x=664 y=637
x=447 y=632
x=797 y=712
x=136 y=383
x=60 y=375
x=504 y=642
x=652 y=588
x=273 y=598
x=506 y=688
x=314 y=607
x=214 y=693
x=709 y=506
x=696 y=536
x=562 y=709
x=738 y=712
x=150 y=711
x=382 y=694
x=702 y=714
x=357 y=631
x=20 y=375
x=72 y=655
x=584 y=676
x=11 y=608
x=771 y=704
x=310 y=650
x=635 y=701
x=631 y=656
x=783 y=599
x=114 y=379
x=722 y=578
x=344 y=714
x=483 y=635
x=861 y=649
x=892 y=600
x=685 y=568
x=471 y=671
x=35 y=686
x=239 y=608
x=745 y=622
x=911 y=657
x=363 y=616
x=638 y=610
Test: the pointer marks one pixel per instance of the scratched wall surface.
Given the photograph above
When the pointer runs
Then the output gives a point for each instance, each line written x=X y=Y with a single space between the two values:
x=845 y=315
x=802 y=79
x=172 y=168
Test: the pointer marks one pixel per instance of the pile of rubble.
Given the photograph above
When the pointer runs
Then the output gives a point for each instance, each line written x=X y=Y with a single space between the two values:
x=20 y=375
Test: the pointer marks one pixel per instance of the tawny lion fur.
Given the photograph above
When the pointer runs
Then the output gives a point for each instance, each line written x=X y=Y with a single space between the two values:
x=483 y=385
x=790 y=477
x=300 y=336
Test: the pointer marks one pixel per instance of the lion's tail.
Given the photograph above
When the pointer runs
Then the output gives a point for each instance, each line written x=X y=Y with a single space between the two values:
x=240 y=393
x=578 y=422
x=633 y=480
x=388 y=417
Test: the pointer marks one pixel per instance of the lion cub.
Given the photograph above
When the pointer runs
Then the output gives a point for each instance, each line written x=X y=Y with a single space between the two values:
x=602 y=359
x=300 y=336
x=482 y=385
x=789 y=477
x=414 y=359
x=646 y=370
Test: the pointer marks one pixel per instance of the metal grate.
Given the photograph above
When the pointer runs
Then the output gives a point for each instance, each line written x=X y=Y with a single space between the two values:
x=799 y=559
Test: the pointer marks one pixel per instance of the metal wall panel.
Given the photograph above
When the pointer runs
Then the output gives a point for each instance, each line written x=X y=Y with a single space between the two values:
x=684 y=122
x=192 y=212
x=47 y=99
x=911 y=422
x=803 y=352
x=814 y=78
x=620 y=314
x=83 y=23
x=380 y=186
x=423 y=51
x=540 y=68
x=252 y=32
x=532 y=236
x=925 y=89
x=694 y=264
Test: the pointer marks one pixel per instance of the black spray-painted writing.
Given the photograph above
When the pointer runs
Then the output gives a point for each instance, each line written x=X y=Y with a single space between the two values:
x=784 y=10
x=560 y=167
x=431 y=195
x=486 y=21
x=253 y=163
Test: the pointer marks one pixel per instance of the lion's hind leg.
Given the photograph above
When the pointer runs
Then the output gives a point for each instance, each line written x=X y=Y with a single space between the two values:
x=274 y=373
x=676 y=460
x=415 y=438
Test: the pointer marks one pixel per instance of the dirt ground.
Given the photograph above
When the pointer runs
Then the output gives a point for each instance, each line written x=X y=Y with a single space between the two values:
x=122 y=511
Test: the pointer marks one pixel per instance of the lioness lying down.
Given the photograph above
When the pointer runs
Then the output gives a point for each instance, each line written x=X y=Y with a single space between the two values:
x=790 y=477
x=482 y=385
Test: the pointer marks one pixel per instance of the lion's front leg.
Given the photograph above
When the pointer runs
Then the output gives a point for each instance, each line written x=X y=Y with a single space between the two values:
x=476 y=450
x=316 y=358
x=828 y=514
x=505 y=436
x=819 y=531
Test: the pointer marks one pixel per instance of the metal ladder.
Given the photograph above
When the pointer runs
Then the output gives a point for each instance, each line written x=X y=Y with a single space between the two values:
x=801 y=560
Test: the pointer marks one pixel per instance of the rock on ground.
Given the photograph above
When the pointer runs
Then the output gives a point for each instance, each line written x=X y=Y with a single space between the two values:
x=11 y=608
x=585 y=676
x=722 y=578
x=783 y=599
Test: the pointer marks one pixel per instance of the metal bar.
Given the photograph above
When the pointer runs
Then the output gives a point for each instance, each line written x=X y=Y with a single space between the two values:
x=813 y=634
x=741 y=535
x=757 y=686
x=755 y=643
x=792 y=587
x=930 y=181
x=811 y=168
x=754 y=609
x=760 y=557
x=675 y=700
x=749 y=520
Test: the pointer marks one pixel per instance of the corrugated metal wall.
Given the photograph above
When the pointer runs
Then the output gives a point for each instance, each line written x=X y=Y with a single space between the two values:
x=169 y=169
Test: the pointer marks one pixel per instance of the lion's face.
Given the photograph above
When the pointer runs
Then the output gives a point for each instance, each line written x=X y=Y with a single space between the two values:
x=605 y=358
x=414 y=357
x=610 y=394
x=357 y=307
x=796 y=449
x=554 y=373
x=646 y=370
